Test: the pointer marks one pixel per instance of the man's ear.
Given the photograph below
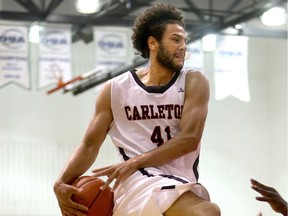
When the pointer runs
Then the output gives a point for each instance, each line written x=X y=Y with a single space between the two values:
x=152 y=43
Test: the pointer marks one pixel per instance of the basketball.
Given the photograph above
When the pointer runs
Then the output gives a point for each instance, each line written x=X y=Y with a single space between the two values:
x=99 y=202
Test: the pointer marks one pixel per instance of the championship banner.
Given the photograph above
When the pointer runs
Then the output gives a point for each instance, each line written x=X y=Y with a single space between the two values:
x=14 y=56
x=231 y=69
x=54 y=57
x=111 y=48
x=194 y=57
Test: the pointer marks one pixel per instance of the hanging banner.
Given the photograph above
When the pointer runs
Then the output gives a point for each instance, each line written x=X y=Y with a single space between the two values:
x=14 y=56
x=194 y=57
x=111 y=48
x=54 y=57
x=230 y=68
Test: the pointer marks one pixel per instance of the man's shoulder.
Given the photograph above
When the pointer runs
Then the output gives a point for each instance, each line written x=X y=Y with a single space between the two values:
x=194 y=74
x=197 y=80
x=190 y=71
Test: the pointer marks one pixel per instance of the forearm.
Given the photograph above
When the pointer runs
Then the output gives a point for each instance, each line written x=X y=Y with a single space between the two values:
x=174 y=148
x=79 y=162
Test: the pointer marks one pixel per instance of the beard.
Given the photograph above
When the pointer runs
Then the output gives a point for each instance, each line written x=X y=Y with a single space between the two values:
x=165 y=59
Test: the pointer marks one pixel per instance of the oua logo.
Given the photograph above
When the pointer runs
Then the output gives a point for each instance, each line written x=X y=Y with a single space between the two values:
x=12 y=38
x=111 y=44
x=54 y=40
x=230 y=53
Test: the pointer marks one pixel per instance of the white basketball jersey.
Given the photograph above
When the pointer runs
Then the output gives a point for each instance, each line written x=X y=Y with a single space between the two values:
x=145 y=117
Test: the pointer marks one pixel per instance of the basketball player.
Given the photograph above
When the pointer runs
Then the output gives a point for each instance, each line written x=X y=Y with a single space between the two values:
x=155 y=117
x=271 y=196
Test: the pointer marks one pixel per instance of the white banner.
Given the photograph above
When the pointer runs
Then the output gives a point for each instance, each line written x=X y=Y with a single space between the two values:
x=54 y=56
x=194 y=59
x=14 y=56
x=231 y=69
x=111 y=48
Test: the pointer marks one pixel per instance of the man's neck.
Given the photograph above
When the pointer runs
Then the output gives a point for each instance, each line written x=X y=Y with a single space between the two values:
x=155 y=76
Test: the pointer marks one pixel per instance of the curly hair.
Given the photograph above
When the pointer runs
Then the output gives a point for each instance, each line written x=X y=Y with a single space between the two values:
x=153 y=23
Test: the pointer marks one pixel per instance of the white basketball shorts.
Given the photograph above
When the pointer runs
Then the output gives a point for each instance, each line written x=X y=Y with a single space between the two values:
x=148 y=192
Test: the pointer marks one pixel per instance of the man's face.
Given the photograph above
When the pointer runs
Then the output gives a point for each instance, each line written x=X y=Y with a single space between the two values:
x=172 y=48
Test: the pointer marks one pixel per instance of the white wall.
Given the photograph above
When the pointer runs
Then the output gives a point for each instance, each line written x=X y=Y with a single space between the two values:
x=248 y=140
x=241 y=140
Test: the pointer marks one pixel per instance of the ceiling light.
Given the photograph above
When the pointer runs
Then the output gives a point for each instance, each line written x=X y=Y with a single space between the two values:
x=231 y=31
x=88 y=6
x=275 y=16
x=238 y=26
x=34 y=33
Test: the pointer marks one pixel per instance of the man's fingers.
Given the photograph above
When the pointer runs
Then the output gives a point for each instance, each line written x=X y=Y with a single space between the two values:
x=264 y=199
x=120 y=177
x=75 y=190
x=103 y=172
x=117 y=172
x=76 y=210
x=75 y=213
x=264 y=192
x=62 y=212
x=259 y=190
x=117 y=182
x=108 y=181
x=79 y=207
x=101 y=169
x=262 y=189
x=260 y=185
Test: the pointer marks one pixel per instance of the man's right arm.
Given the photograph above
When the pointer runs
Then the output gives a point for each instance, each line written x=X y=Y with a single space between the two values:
x=85 y=154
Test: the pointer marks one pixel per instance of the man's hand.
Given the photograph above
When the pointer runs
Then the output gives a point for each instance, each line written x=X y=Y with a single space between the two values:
x=117 y=172
x=64 y=194
x=271 y=196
